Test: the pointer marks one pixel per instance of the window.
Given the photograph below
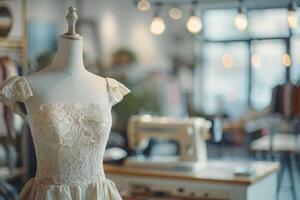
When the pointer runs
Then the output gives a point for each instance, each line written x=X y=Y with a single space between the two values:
x=267 y=70
x=295 y=53
x=219 y=25
x=225 y=77
x=239 y=68
x=268 y=23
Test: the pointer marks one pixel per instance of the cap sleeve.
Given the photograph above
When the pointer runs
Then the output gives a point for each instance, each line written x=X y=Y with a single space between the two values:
x=116 y=90
x=13 y=91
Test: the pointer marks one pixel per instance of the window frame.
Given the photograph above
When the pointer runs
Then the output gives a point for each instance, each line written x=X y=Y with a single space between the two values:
x=248 y=40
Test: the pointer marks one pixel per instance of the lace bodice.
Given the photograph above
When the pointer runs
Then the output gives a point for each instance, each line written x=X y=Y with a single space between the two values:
x=69 y=139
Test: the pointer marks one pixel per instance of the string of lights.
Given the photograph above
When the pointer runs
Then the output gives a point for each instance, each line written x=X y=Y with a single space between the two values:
x=194 y=22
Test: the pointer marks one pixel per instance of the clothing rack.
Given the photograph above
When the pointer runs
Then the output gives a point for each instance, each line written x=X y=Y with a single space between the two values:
x=286 y=104
x=11 y=45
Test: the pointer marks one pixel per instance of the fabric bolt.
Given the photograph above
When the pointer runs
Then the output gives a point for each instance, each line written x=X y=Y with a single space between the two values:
x=70 y=141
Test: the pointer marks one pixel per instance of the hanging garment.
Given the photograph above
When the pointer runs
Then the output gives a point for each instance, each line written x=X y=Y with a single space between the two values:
x=3 y=124
x=286 y=100
x=70 y=141
x=7 y=69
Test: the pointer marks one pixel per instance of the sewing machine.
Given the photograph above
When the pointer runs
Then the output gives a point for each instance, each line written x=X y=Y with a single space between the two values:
x=189 y=133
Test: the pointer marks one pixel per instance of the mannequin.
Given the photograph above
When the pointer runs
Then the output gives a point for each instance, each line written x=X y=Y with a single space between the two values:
x=66 y=80
x=69 y=113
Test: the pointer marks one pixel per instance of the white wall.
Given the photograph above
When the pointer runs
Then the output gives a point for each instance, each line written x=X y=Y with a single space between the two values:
x=120 y=24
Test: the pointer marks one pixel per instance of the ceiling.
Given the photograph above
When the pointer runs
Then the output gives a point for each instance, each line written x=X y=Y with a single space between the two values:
x=218 y=4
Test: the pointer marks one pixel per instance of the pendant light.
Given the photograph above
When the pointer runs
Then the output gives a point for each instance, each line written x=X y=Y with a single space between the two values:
x=241 y=19
x=227 y=61
x=256 y=61
x=175 y=13
x=194 y=23
x=286 y=59
x=157 y=26
x=292 y=15
x=143 y=5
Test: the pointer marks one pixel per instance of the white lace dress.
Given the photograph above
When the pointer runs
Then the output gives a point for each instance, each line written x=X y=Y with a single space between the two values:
x=70 y=140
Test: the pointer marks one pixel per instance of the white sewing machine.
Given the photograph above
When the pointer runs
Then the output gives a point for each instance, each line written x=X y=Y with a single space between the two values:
x=189 y=133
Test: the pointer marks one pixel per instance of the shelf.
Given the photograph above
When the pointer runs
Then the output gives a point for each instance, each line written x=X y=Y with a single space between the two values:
x=11 y=43
x=7 y=174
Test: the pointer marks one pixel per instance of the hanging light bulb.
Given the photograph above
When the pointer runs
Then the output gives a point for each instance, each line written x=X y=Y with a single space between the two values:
x=194 y=24
x=241 y=20
x=287 y=61
x=227 y=61
x=175 y=13
x=292 y=15
x=157 y=26
x=256 y=61
x=292 y=19
x=143 y=5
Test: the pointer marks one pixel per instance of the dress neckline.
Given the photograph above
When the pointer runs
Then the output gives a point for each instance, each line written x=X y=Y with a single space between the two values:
x=61 y=104
x=72 y=104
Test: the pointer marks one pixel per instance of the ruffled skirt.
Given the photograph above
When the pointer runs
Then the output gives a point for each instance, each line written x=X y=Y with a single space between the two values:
x=104 y=189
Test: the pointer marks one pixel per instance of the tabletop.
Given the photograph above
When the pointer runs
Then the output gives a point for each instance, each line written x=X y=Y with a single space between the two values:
x=217 y=171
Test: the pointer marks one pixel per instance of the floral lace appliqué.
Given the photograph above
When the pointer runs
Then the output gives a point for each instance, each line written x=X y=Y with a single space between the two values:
x=70 y=142
x=69 y=139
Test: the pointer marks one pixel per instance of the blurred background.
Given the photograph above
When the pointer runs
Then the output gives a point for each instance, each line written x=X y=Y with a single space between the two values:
x=233 y=62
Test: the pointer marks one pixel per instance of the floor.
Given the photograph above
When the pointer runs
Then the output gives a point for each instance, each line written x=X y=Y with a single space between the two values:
x=285 y=190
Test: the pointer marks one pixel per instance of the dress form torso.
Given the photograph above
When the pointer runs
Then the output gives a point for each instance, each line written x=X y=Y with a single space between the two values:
x=69 y=113
x=66 y=80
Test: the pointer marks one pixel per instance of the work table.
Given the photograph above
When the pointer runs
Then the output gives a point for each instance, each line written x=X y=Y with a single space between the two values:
x=216 y=171
x=217 y=181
